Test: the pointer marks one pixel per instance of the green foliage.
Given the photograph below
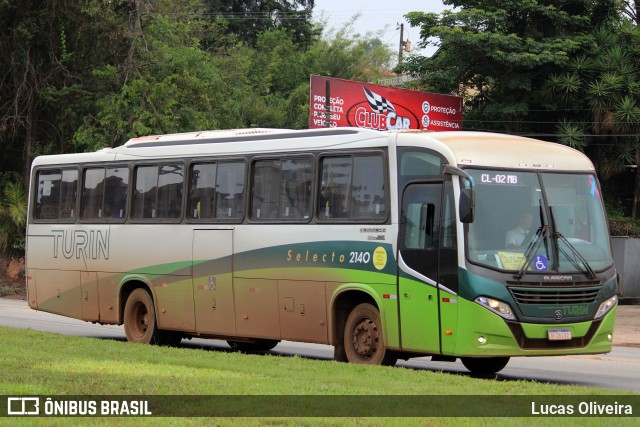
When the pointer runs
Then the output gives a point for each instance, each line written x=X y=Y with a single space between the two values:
x=567 y=71
x=13 y=215
x=498 y=55
x=599 y=93
x=8 y=288
x=343 y=54
x=574 y=135
x=249 y=18
x=80 y=76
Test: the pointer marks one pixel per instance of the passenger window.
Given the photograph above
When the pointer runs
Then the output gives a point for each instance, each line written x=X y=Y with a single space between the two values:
x=158 y=193
x=282 y=189
x=417 y=165
x=230 y=190
x=116 y=192
x=56 y=194
x=92 y=194
x=334 y=190
x=104 y=193
x=217 y=191
x=353 y=187
x=367 y=195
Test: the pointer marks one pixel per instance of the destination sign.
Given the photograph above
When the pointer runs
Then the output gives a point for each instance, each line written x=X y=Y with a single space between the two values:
x=499 y=178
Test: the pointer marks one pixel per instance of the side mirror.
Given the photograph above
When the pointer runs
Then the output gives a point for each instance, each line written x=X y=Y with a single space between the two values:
x=467 y=201
x=467 y=205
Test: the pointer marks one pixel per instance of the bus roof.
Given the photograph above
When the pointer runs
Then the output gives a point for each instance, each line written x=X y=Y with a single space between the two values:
x=480 y=149
x=497 y=150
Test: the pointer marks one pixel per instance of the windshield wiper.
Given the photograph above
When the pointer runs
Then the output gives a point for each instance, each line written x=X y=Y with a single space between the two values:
x=558 y=236
x=585 y=264
x=532 y=248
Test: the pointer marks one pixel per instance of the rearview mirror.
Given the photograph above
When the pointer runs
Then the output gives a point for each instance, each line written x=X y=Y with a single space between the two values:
x=467 y=201
x=466 y=205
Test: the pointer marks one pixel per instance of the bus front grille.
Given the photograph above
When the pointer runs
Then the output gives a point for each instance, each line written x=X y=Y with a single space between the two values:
x=555 y=295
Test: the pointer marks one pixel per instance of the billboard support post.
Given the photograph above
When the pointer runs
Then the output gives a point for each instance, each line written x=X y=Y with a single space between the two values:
x=327 y=103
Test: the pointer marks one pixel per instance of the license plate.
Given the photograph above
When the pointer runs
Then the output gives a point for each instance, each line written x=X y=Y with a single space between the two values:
x=559 y=334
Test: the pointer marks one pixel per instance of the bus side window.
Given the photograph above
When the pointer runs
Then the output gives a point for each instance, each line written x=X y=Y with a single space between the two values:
x=115 y=192
x=158 y=192
x=217 y=191
x=282 y=189
x=420 y=228
x=266 y=180
x=92 y=194
x=48 y=194
x=418 y=164
x=203 y=184
x=229 y=190
x=56 y=194
x=169 y=201
x=68 y=193
x=334 y=190
x=367 y=195
x=144 y=197
x=295 y=189
x=353 y=187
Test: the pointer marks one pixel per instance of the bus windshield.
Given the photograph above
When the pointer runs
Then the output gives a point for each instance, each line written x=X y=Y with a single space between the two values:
x=550 y=222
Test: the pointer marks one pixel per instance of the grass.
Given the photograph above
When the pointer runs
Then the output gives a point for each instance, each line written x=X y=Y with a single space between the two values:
x=37 y=363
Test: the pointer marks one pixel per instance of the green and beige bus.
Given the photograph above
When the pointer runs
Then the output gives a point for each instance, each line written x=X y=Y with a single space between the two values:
x=386 y=245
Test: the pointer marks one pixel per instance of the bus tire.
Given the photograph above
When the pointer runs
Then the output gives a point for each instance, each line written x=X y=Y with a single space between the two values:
x=140 y=319
x=258 y=345
x=484 y=365
x=364 y=341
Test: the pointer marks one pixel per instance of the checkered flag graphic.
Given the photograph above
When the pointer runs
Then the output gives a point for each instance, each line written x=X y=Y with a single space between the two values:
x=378 y=103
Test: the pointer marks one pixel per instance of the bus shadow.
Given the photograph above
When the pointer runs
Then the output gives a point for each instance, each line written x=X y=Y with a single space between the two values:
x=417 y=365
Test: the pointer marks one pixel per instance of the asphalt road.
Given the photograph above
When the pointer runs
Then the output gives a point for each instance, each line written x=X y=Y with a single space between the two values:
x=618 y=370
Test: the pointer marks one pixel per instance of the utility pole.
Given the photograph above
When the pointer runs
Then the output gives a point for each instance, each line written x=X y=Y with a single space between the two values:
x=401 y=43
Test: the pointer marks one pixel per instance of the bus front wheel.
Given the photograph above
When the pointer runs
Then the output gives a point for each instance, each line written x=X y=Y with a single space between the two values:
x=364 y=338
x=140 y=321
x=484 y=365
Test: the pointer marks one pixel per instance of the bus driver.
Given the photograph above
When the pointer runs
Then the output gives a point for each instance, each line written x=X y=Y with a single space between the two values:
x=516 y=236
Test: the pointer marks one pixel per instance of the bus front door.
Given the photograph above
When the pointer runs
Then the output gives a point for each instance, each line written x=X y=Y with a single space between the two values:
x=213 y=281
x=419 y=242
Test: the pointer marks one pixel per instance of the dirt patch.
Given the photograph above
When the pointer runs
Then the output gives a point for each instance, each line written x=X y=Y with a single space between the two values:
x=15 y=270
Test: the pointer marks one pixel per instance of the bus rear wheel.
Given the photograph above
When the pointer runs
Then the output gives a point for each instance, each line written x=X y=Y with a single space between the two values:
x=140 y=321
x=364 y=341
x=484 y=365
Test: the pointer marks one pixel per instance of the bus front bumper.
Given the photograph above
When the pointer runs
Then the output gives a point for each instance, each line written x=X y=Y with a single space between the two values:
x=482 y=333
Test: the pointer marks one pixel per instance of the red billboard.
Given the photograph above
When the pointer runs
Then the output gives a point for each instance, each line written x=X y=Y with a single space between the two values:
x=371 y=106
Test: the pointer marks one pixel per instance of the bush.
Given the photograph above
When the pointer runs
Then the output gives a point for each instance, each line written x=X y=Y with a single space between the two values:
x=13 y=217
x=624 y=227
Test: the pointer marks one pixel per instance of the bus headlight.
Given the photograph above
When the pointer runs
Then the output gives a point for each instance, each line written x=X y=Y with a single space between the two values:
x=606 y=306
x=500 y=308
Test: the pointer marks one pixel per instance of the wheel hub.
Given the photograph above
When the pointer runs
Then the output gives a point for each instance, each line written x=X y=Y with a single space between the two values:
x=143 y=319
x=365 y=338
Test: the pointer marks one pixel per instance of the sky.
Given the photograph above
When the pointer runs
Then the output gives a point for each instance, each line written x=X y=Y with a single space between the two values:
x=378 y=15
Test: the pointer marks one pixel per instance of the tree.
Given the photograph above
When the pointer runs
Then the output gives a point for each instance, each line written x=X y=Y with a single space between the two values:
x=598 y=94
x=498 y=54
x=48 y=51
x=166 y=84
x=248 y=18
x=279 y=72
